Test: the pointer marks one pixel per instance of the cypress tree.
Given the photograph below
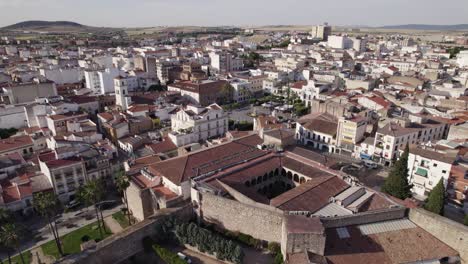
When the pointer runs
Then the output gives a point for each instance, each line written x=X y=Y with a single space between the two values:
x=435 y=201
x=396 y=183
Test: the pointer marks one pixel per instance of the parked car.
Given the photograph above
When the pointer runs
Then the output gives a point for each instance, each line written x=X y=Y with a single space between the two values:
x=370 y=164
x=182 y=256
x=73 y=204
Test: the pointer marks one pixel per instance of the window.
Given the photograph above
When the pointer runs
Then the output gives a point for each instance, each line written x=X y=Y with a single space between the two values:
x=444 y=171
x=435 y=164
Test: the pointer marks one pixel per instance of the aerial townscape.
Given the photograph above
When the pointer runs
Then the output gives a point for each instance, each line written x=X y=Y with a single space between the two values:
x=321 y=144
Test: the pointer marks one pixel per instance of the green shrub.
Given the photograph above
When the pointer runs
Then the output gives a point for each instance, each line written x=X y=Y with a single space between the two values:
x=168 y=256
x=208 y=241
x=278 y=258
x=274 y=247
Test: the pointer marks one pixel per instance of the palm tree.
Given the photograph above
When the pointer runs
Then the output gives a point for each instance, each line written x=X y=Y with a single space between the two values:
x=91 y=194
x=47 y=204
x=5 y=216
x=9 y=236
x=122 y=182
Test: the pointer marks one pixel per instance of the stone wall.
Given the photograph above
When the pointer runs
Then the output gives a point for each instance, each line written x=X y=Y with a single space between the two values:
x=451 y=233
x=232 y=215
x=119 y=247
x=364 y=218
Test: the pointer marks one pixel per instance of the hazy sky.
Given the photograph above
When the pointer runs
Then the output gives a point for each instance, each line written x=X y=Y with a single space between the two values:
x=130 y=13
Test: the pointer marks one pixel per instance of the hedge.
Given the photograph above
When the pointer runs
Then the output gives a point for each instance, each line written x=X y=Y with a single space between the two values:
x=168 y=256
x=208 y=241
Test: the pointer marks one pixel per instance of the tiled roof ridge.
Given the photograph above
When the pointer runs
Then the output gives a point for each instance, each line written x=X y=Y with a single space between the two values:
x=326 y=178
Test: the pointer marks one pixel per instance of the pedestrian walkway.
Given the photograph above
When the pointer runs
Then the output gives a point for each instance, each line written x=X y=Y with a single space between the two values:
x=38 y=257
x=113 y=225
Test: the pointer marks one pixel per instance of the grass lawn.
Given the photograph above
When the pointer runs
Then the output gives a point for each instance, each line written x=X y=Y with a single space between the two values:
x=71 y=242
x=121 y=218
x=17 y=259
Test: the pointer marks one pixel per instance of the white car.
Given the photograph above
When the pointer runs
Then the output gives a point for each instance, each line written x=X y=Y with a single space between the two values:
x=183 y=257
x=370 y=164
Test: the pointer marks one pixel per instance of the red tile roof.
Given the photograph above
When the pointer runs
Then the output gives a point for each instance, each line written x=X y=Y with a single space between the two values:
x=13 y=143
x=319 y=190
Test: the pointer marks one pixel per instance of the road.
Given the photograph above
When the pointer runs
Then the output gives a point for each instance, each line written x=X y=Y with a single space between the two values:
x=68 y=222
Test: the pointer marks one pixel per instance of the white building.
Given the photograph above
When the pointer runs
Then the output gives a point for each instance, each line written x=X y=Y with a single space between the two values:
x=101 y=81
x=321 y=31
x=224 y=62
x=242 y=90
x=122 y=99
x=393 y=137
x=317 y=130
x=426 y=167
x=62 y=75
x=462 y=58
x=193 y=124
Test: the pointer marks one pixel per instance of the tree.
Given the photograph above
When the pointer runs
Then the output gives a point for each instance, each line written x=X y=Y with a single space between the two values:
x=91 y=194
x=435 y=201
x=9 y=236
x=47 y=205
x=157 y=88
x=226 y=93
x=122 y=182
x=7 y=132
x=5 y=216
x=396 y=183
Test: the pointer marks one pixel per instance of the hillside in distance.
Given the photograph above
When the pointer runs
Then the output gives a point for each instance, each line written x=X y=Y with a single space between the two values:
x=428 y=27
x=38 y=24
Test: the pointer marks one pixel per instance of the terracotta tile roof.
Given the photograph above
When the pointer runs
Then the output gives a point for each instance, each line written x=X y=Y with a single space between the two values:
x=166 y=145
x=319 y=190
x=13 y=143
x=401 y=246
x=298 y=85
x=321 y=122
x=181 y=169
x=301 y=224
x=201 y=87
x=53 y=164
x=432 y=154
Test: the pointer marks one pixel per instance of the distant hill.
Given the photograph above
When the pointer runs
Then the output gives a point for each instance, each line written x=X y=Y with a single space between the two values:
x=45 y=25
x=428 y=27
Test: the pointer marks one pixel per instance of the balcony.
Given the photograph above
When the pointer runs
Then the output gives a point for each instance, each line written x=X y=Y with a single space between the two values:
x=421 y=172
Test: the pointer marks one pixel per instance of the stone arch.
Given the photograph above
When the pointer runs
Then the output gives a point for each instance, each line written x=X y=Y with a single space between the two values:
x=253 y=182
x=290 y=176
x=296 y=178
x=302 y=180
x=265 y=177
x=259 y=179
x=283 y=172
x=276 y=172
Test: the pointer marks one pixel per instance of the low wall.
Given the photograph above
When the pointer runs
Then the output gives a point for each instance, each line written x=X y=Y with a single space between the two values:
x=364 y=218
x=235 y=216
x=120 y=247
x=450 y=232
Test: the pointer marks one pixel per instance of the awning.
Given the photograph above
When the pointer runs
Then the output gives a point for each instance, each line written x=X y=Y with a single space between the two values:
x=421 y=172
x=365 y=156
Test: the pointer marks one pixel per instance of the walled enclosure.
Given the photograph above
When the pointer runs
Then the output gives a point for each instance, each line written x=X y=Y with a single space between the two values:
x=235 y=216
x=450 y=232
